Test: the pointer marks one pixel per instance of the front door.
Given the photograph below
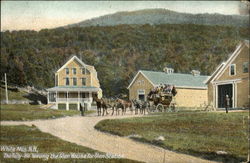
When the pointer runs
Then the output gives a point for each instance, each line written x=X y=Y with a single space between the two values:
x=223 y=90
x=142 y=97
x=141 y=94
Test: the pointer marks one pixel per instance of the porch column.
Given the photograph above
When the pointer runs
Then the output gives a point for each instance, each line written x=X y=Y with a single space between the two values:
x=234 y=95
x=48 y=94
x=90 y=102
x=78 y=104
x=67 y=103
x=56 y=101
x=216 y=96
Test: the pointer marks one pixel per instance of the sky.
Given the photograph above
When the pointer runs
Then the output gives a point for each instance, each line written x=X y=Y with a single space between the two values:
x=36 y=15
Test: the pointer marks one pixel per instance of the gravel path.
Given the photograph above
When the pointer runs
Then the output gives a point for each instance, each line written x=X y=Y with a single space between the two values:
x=80 y=130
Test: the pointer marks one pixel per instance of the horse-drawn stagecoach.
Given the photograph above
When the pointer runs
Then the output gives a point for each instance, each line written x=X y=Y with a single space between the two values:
x=159 y=99
x=162 y=98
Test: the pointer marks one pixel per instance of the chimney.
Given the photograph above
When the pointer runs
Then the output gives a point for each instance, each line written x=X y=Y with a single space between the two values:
x=168 y=70
x=195 y=72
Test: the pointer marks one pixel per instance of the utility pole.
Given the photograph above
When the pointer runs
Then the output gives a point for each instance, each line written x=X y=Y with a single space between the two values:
x=248 y=129
x=6 y=89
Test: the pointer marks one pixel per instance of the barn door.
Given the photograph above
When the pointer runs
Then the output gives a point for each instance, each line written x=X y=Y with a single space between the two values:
x=223 y=90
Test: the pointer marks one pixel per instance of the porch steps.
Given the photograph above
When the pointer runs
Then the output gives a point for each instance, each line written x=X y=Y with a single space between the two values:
x=47 y=106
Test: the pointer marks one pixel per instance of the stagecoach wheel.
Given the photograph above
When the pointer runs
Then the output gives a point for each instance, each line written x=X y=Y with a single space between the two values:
x=149 y=109
x=173 y=108
x=152 y=108
x=159 y=107
x=170 y=109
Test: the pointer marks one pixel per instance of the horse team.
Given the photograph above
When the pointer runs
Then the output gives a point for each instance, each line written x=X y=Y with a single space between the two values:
x=117 y=105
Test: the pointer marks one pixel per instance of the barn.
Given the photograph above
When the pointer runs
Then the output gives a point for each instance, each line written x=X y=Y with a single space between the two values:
x=192 y=92
x=231 y=78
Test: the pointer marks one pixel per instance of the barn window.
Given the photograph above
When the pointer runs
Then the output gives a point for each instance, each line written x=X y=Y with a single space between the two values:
x=139 y=82
x=245 y=67
x=141 y=94
x=232 y=69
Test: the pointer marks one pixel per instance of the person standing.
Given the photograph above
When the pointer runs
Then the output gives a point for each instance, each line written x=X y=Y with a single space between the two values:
x=227 y=102
x=81 y=109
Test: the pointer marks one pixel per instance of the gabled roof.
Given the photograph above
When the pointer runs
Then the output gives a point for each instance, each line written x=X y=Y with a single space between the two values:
x=220 y=69
x=177 y=79
x=214 y=73
x=71 y=59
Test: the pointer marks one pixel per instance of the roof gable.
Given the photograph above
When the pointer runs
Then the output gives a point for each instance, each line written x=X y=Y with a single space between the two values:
x=139 y=72
x=214 y=73
x=218 y=72
x=70 y=60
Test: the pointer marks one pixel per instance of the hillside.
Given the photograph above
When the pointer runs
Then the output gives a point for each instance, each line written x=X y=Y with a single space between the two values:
x=163 y=16
x=117 y=52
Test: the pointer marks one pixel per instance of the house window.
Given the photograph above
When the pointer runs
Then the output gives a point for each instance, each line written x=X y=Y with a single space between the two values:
x=75 y=81
x=83 y=81
x=245 y=67
x=74 y=70
x=66 y=81
x=67 y=71
x=83 y=70
x=232 y=69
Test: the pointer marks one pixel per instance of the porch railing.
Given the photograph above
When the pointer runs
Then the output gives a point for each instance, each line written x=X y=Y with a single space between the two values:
x=74 y=99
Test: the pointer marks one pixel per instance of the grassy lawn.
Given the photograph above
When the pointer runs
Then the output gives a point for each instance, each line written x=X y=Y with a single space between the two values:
x=12 y=95
x=196 y=133
x=45 y=143
x=23 y=112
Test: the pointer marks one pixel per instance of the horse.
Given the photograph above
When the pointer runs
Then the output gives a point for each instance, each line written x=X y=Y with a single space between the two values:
x=136 y=106
x=101 y=106
x=125 y=104
x=141 y=106
x=116 y=107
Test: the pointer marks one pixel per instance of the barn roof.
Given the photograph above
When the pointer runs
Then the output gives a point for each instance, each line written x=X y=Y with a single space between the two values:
x=222 y=67
x=178 y=79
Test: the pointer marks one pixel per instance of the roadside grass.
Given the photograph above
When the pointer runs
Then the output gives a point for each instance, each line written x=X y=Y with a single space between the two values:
x=196 y=133
x=13 y=95
x=24 y=112
x=31 y=136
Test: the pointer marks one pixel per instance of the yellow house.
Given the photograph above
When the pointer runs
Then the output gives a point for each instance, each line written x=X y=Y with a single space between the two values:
x=75 y=83
x=191 y=91
x=231 y=78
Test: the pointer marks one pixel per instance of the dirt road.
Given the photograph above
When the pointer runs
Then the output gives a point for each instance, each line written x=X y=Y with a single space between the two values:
x=80 y=130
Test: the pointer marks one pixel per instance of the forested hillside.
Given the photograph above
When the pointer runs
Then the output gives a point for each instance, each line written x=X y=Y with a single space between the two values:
x=117 y=52
x=164 y=16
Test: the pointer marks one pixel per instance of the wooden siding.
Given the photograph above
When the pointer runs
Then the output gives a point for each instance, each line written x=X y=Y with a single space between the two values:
x=184 y=98
x=91 y=77
x=242 y=87
x=241 y=58
x=146 y=85
x=191 y=97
